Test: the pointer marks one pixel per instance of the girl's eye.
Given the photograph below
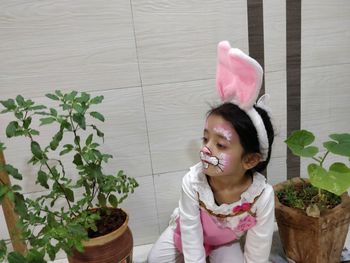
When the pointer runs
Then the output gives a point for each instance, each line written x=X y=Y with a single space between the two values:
x=221 y=146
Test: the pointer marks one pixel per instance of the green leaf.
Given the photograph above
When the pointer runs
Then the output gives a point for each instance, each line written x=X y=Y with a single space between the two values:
x=52 y=96
x=13 y=171
x=78 y=108
x=16 y=188
x=20 y=100
x=97 y=115
x=47 y=120
x=58 y=93
x=69 y=194
x=68 y=148
x=84 y=97
x=101 y=199
x=341 y=146
x=20 y=206
x=27 y=122
x=11 y=129
x=77 y=160
x=3 y=249
x=96 y=100
x=89 y=139
x=19 y=115
x=2 y=147
x=71 y=95
x=51 y=251
x=42 y=179
x=34 y=132
x=16 y=257
x=56 y=140
x=8 y=104
x=113 y=200
x=34 y=256
x=3 y=190
x=336 y=180
x=37 y=107
x=80 y=119
x=98 y=132
x=298 y=141
x=53 y=112
x=36 y=150
x=340 y=175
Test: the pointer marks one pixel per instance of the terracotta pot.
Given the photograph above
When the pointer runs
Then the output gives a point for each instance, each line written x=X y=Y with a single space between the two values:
x=115 y=247
x=312 y=240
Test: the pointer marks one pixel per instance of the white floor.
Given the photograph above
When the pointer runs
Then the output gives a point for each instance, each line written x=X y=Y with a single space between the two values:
x=140 y=252
x=139 y=256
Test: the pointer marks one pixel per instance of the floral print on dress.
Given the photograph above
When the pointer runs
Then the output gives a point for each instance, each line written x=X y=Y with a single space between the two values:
x=242 y=208
x=245 y=223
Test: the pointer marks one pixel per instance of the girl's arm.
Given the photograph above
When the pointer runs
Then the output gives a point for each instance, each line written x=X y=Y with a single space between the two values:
x=259 y=238
x=190 y=224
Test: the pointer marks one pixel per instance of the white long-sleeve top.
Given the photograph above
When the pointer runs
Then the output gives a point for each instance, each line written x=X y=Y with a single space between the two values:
x=195 y=188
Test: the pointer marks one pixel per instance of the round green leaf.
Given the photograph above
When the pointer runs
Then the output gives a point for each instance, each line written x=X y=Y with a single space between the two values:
x=11 y=129
x=341 y=145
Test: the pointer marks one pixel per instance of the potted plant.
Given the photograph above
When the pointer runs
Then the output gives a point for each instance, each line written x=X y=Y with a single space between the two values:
x=91 y=227
x=313 y=214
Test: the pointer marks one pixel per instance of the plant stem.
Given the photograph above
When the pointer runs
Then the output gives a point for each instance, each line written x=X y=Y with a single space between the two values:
x=316 y=159
x=2 y=182
x=60 y=185
x=324 y=157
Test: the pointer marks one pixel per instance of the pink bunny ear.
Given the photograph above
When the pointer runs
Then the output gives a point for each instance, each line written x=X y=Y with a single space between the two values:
x=238 y=76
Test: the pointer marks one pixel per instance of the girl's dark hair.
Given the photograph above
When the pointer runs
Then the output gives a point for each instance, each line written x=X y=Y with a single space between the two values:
x=246 y=130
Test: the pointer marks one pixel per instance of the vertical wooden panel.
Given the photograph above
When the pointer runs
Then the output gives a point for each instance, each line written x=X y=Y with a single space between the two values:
x=9 y=213
x=256 y=33
x=293 y=11
x=256 y=36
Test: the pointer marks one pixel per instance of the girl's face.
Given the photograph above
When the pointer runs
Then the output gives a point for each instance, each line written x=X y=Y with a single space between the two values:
x=221 y=152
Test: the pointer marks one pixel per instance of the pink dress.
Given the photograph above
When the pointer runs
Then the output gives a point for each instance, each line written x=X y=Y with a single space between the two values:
x=214 y=233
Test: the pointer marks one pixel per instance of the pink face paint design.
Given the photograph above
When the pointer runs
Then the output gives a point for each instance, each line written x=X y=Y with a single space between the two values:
x=224 y=131
x=206 y=150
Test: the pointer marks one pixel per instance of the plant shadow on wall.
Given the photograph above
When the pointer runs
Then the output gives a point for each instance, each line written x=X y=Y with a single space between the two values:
x=93 y=215
x=313 y=214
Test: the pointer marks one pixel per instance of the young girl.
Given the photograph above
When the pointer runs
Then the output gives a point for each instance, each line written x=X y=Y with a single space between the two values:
x=225 y=196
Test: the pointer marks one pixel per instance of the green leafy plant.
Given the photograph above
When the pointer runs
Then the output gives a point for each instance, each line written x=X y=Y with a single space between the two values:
x=335 y=179
x=61 y=227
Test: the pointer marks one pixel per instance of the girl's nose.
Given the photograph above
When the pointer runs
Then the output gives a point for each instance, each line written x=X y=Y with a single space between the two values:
x=206 y=150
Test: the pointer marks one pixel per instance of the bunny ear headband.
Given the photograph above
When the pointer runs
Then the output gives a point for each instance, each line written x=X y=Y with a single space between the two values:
x=238 y=80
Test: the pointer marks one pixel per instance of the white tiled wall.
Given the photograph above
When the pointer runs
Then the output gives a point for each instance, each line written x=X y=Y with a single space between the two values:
x=325 y=69
x=154 y=61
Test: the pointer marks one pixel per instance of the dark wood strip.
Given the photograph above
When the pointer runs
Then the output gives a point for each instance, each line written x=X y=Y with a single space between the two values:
x=256 y=33
x=256 y=36
x=293 y=23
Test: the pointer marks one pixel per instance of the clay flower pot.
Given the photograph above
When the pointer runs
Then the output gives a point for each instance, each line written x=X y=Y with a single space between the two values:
x=308 y=239
x=114 y=247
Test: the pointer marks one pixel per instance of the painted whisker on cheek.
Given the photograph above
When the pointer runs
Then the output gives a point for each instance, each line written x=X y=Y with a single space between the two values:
x=222 y=162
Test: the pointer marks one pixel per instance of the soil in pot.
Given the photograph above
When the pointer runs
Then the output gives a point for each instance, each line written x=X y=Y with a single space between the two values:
x=302 y=196
x=109 y=221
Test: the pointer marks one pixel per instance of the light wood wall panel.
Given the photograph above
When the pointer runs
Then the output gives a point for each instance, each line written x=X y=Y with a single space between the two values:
x=176 y=40
x=47 y=45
